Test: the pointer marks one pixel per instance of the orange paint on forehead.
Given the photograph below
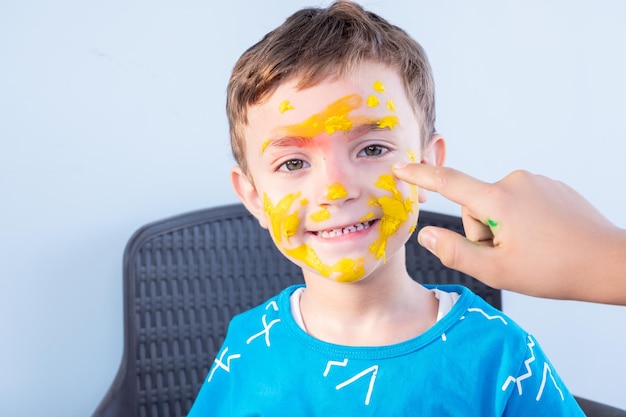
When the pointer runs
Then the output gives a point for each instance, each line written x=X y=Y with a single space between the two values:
x=336 y=117
x=333 y=118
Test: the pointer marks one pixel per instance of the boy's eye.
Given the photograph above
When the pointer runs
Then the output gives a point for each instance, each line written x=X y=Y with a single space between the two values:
x=293 y=165
x=373 y=150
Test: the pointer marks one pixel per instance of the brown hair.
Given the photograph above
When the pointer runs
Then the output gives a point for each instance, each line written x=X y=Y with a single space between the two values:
x=315 y=43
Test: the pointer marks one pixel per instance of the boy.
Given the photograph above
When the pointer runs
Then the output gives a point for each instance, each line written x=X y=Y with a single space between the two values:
x=320 y=110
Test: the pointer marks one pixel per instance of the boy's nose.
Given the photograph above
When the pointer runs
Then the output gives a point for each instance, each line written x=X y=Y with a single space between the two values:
x=336 y=184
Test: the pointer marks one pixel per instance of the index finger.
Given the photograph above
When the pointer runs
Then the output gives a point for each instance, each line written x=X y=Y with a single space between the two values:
x=450 y=183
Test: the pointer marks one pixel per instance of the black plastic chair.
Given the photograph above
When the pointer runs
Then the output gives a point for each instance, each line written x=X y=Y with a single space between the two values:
x=186 y=276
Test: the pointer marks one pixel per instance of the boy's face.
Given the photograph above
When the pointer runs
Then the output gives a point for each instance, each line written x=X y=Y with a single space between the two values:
x=319 y=162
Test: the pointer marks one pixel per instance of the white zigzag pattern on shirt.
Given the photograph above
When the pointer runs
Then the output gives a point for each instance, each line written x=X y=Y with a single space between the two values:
x=528 y=373
x=373 y=369
x=220 y=362
x=487 y=316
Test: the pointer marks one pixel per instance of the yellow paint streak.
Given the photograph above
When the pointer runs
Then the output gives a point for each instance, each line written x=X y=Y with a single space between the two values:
x=378 y=86
x=321 y=215
x=372 y=101
x=345 y=270
x=391 y=105
x=334 y=118
x=285 y=106
x=281 y=222
x=388 y=122
x=411 y=154
x=336 y=191
x=367 y=216
x=290 y=226
x=349 y=270
x=284 y=225
x=395 y=210
x=264 y=145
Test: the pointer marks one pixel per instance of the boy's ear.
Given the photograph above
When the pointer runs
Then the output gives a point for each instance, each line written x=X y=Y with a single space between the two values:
x=248 y=194
x=433 y=154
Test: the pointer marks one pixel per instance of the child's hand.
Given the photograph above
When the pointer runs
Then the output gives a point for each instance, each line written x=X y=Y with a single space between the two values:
x=526 y=233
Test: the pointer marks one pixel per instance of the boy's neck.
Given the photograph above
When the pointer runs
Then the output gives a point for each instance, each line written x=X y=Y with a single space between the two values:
x=386 y=307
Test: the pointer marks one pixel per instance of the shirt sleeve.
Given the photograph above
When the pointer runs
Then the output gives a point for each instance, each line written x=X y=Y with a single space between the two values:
x=536 y=389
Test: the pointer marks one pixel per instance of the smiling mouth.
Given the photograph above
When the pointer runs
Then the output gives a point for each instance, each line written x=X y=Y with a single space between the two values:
x=328 y=234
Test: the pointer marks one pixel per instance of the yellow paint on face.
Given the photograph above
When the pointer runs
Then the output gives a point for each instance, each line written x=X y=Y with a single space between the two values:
x=284 y=106
x=366 y=217
x=336 y=191
x=391 y=105
x=372 y=101
x=388 y=122
x=284 y=225
x=332 y=119
x=304 y=201
x=396 y=210
x=290 y=226
x=264 y=145
x=321 y=215
x=378 y=86
x=281 y=222
x=344 y=270
x=411 y=154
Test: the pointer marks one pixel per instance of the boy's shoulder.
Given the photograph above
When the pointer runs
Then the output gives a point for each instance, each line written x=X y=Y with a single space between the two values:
x=471 y=313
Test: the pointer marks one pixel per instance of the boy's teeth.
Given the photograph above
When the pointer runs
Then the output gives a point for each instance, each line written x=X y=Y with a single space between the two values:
x=343 y=231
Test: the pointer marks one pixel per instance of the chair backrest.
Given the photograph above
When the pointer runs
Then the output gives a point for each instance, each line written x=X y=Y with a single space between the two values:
x=186 y=276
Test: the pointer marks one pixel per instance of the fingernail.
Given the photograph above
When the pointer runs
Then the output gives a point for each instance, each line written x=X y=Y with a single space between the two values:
x=427 y=239
x=399 y=165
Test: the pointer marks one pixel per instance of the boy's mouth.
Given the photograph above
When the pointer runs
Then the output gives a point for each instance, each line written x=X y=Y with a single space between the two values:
x=331 y=233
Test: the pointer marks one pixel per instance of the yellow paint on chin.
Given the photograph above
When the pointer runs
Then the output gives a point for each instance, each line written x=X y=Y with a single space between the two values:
x=336 y=191
x=395 y=209
x=344 y=270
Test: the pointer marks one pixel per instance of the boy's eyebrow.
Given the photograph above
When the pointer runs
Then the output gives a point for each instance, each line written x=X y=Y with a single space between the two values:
x=354 y=132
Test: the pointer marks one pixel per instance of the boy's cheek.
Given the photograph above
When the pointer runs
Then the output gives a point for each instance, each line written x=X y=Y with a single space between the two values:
x=283 y=216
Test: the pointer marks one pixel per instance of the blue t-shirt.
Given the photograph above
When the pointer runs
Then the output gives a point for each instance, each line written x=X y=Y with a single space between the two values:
x=475 y=361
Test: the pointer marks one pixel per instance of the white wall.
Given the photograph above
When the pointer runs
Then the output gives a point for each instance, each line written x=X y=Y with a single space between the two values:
x=111 y=116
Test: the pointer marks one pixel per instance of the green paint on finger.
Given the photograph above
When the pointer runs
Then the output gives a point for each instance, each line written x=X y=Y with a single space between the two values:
x=492 y=223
